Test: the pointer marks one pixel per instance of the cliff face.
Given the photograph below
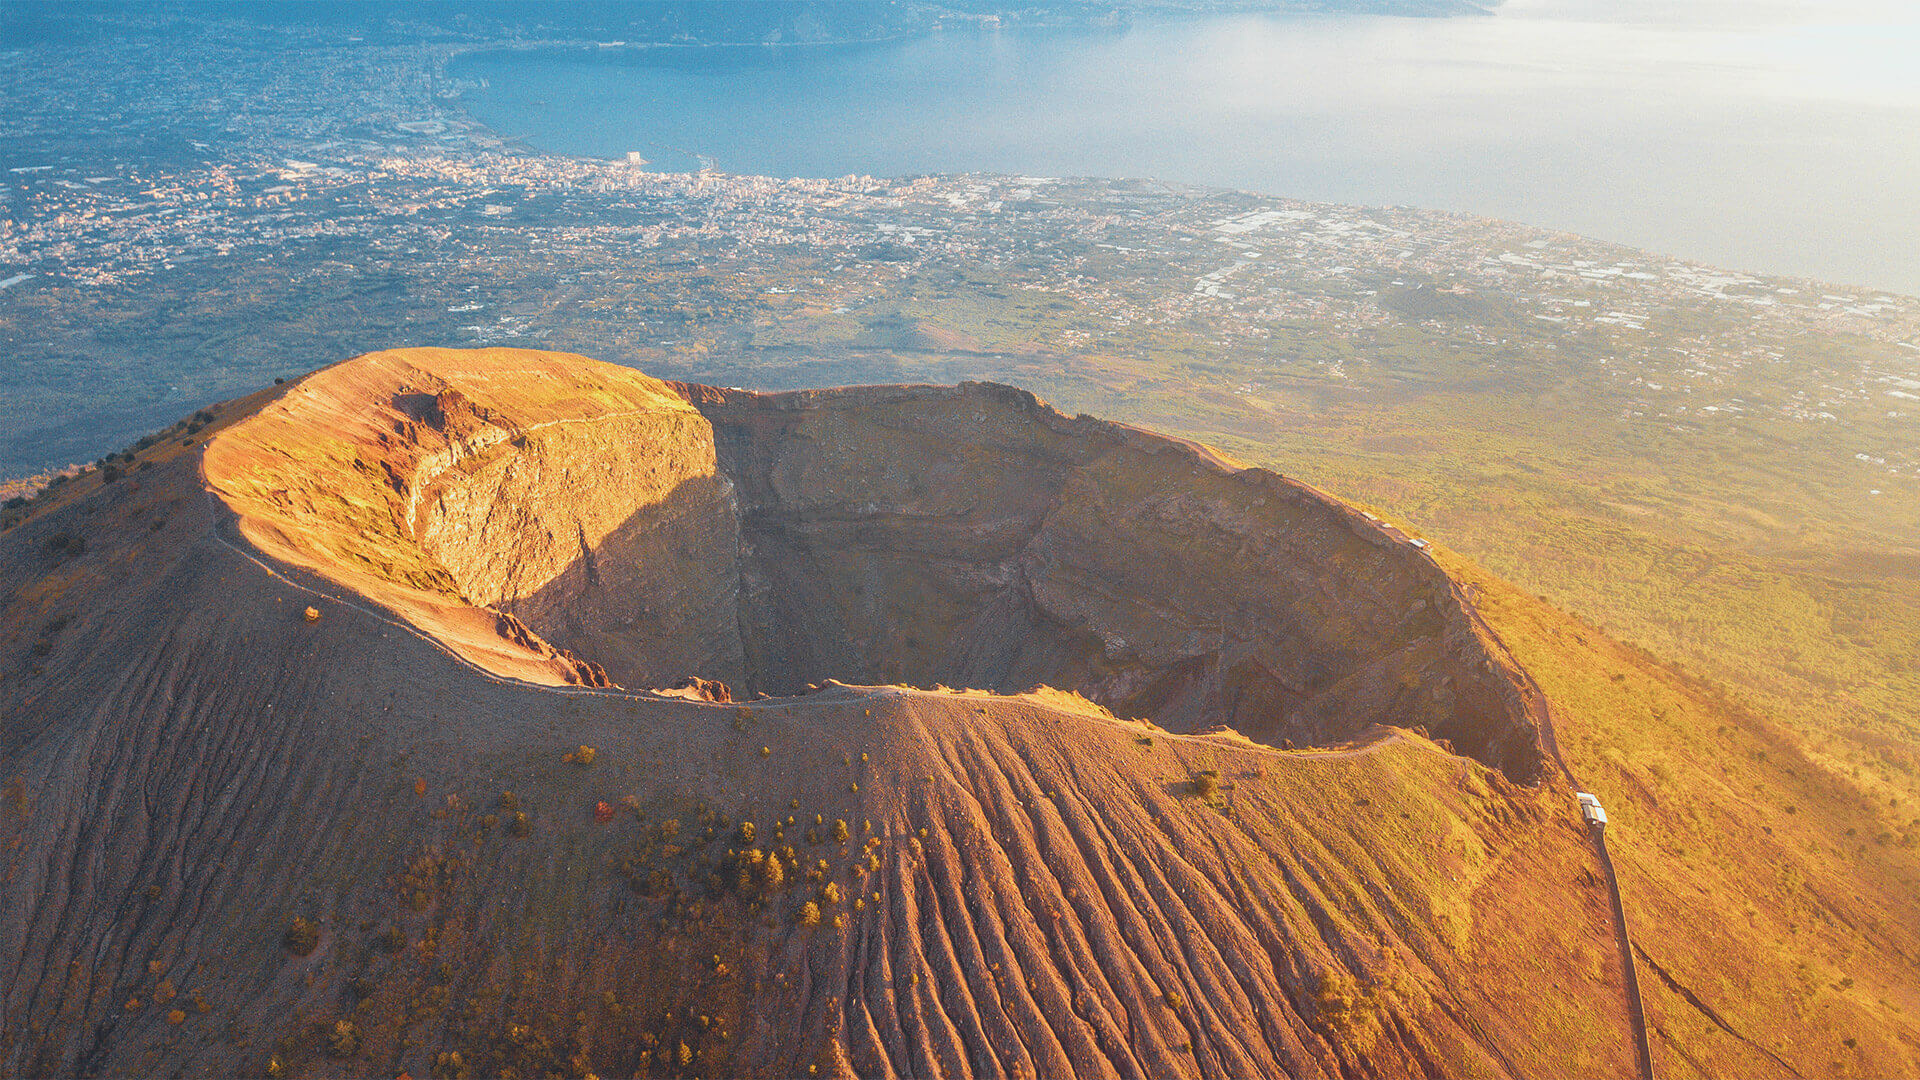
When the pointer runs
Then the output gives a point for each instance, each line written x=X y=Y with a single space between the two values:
x=295 y=781
x=456 y=492
x=612 y=534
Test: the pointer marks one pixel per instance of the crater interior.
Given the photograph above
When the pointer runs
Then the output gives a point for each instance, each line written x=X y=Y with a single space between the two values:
x=964 y=536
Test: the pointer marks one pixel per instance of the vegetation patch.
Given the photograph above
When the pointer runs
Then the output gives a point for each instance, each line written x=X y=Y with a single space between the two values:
x=301 y=936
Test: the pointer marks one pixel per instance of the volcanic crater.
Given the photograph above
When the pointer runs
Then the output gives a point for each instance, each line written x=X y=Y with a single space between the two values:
x=375 y=724
x=628 y=532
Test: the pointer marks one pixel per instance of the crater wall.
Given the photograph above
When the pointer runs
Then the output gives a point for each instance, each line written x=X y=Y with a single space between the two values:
x=972 y=536
x=964 y=536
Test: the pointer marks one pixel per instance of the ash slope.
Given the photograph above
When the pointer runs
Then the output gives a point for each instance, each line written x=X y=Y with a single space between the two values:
x=245 y=841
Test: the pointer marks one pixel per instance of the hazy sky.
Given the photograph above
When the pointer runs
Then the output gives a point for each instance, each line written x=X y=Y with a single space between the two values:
x=1849 y=50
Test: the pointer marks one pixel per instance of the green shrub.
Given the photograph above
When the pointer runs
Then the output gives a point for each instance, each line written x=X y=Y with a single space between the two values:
x=344 y=1040
x=757 y=873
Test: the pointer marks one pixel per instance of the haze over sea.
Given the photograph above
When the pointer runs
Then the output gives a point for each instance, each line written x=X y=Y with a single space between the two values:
x=1776 y=137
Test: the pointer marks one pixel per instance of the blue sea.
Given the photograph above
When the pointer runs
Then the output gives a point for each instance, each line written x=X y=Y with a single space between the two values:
x=1777 y=138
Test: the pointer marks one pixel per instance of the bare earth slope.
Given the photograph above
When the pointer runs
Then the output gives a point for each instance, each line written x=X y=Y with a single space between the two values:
x=296 y=785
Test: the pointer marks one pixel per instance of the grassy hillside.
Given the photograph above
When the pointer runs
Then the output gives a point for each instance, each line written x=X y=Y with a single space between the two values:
x=1773 y=901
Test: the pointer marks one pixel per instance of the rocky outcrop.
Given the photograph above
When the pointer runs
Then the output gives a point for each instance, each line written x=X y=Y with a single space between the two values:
x=511 y=628
x=700 y=689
